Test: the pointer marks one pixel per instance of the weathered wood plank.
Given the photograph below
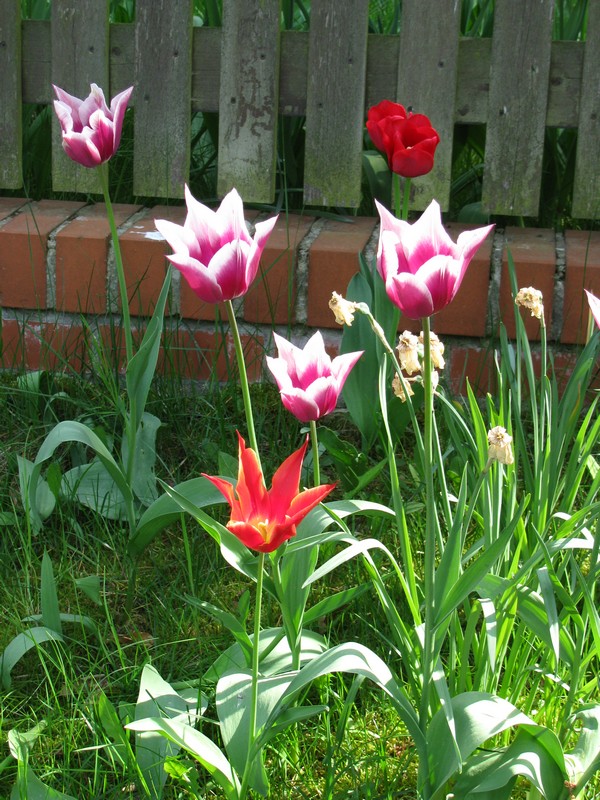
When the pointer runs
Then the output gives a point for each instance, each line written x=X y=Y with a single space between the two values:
x=335 y=102
x=79 y=45
x=206 y=69
x=163 y=81
x=10 y=95
x=249 y=98
x=586 y=189
x=427 y=69
x=519 y=74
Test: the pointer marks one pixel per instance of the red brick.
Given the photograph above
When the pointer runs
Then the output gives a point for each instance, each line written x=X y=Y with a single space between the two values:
x=24 y=243
x=81 y=257
x=466 y=315
x=254 y=355
x=112 y=339
x=144 y=250
x=271 y=299
x=63 y=347
x=582 y=272
x=472 y=363
x=192 y=354
x=333 y=260
x=534 y=253
x=20 y=346
x=8 y=206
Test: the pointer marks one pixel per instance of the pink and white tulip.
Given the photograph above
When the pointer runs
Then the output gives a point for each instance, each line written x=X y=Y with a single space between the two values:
x=420 y=264
x=213 y=249
x=91 y=131
x=309 y=380
x=594 y=306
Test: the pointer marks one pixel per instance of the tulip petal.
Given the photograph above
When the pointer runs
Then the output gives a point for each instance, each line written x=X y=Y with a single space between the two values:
x=286 y=482
x=594 y=303
x=82 y=149
x=307 y=500
x=201 y=281
x=251 y=490
x=342 y=365
x=300 y=404
x=410 y=294
x=228 y=266
x=469 y=241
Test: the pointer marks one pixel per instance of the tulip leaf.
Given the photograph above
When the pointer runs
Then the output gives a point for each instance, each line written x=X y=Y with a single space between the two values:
x=187 y=738
x=142 y=366
x=166 y=510
x=48 y=597
x=30 y=786
x=94 y=487
x=143 y=480
x=44 y=501
x=21 y=644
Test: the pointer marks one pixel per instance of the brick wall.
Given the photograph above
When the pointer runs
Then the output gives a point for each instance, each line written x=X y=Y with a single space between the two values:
x=58 y=288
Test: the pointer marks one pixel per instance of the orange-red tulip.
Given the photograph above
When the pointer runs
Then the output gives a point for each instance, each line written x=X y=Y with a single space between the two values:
x=261 y=519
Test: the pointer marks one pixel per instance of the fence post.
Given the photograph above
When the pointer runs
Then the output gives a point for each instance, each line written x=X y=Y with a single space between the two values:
x=162 y=97
x=249 y=98
x=79 y=36
x=10 y=95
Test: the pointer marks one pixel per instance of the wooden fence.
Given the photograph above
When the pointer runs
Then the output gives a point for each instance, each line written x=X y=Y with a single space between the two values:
x=250 y=71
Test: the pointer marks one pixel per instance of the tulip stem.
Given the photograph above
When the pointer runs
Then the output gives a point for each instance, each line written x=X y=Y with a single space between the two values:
x=401 y=211
x=250 y=755
x=103 y=173
x=239 y=351
x=314 y=440
x=430 y=529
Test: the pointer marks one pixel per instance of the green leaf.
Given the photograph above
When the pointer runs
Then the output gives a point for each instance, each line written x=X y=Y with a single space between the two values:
x=49 y=597
x=198 y=492
x=73 y=431
x=143 y=481
x=228 y=621
x=31 y=787
x=21 y=742
x=21 y=644
x=157 y=698
x=44 y=500
x=141 y=368
x=197 y=744
x=93 y=487
x=90 y=586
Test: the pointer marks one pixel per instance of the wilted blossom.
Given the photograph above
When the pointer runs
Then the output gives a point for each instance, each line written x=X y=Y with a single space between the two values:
x=91 y=131
x=261 y=519
x=343 y=310
x=213 y=249
x=436 y=349
x=531 y=299
x=421 y=266
x=594 y=306
x=309 y=380
x=408 y=353
x=401 y=388
x=500 y=446
x=408 y=140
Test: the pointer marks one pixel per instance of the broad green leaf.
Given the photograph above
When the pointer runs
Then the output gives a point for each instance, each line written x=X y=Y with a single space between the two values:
x=21 y=644
x=157 y=698
x=478 y=716
x=275 y=654
x=197 y=744
x=73 y=431
x=143 y=480
x=165 y=511
x=233 y=701
x=90 y=586
x=31 y=787
x=95 y=488
x=584 y=759
x=356 y=659
x=21 y=742
x=44 y=500
x=141 y=368
x=534 y=754
x=49 y=598
x=228 y=621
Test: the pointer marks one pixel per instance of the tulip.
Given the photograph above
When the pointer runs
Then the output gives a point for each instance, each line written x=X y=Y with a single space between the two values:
x=420 y=264
x=261 y=519
x=407 y=140
x=594 y=306
x=91 y=131
x=309 y=381
x=213 y=249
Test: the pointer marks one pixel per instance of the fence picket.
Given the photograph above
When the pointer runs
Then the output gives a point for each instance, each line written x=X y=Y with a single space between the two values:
x=249 y=98
x=427 y=81
x=79 y=42
x=10 y=95
x=163 y=81
x=586 y=190
x=519 y=74
x=335 y=102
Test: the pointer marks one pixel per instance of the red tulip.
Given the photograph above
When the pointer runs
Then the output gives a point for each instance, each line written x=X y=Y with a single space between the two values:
x=309 y=381
x=594 y=306
x=407 y=140
x=420 y=264
x=91 y=131
x=213 y=249
x=261 y=519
